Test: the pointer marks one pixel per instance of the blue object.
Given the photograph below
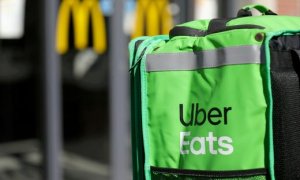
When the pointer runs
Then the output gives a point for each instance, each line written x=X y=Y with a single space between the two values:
x=107 y=6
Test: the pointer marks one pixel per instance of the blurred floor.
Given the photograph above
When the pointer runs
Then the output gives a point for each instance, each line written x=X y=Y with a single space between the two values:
x=22 y=160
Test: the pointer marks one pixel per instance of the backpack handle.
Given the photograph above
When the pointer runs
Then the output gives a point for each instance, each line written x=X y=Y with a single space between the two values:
x=246 y=10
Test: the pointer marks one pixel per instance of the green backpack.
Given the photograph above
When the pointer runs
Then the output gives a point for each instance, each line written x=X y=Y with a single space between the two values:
x=218 y=99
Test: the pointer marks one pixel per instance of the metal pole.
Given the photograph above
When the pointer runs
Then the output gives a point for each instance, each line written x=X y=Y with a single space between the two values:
x=228 y=8
x=187 y=10
x=119 y=97
x=190 y=10
x=52 y=93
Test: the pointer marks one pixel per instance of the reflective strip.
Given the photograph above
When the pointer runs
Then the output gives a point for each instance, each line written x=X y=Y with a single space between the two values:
x=204 y=59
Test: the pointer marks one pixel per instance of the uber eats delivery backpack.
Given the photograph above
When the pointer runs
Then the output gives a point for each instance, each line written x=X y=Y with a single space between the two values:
x=218 y=99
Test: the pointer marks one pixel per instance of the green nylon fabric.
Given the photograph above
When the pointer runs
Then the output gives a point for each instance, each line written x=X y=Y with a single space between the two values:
x=136 y=124
x=162 y=92
x=137 y=143
x=272 y=23
x=145 y=113
x=133 y=51
x=223 y=87
x=160 y=111
x=206 y=87
x=244 y=88
x=213 y=41
x=270 y=105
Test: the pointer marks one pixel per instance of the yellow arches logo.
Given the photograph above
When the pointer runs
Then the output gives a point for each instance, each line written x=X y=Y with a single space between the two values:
x=153 y=17
x=80 y=11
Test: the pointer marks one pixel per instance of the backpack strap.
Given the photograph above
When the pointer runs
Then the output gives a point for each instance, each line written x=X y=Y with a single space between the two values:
x=246 y=10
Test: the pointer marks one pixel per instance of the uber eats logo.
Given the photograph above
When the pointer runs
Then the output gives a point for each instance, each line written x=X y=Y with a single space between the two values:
x=191 y=143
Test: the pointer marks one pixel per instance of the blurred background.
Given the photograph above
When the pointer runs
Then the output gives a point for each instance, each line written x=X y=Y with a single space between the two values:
x=64 y=86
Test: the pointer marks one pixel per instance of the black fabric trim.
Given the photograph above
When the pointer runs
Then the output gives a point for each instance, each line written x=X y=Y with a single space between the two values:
x=269 y=12
x=215 y=26
x=244 y=13
x=285 y=81
x=136 y=46
x=296 y=54
x=285 y=43
x=243 y=26
x=139 y=59
x=186 y=31
x=210 y=174
x=283 y=52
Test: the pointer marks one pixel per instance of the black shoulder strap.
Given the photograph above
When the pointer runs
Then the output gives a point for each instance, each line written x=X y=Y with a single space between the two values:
x=245 y=13
x=186 y=31
x=215 y=25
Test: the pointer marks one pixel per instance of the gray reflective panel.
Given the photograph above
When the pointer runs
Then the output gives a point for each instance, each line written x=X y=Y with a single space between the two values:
x=204 y=59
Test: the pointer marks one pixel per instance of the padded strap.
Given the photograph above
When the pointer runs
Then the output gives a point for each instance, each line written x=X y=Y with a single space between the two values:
x=246 y=11
x=215 y=26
